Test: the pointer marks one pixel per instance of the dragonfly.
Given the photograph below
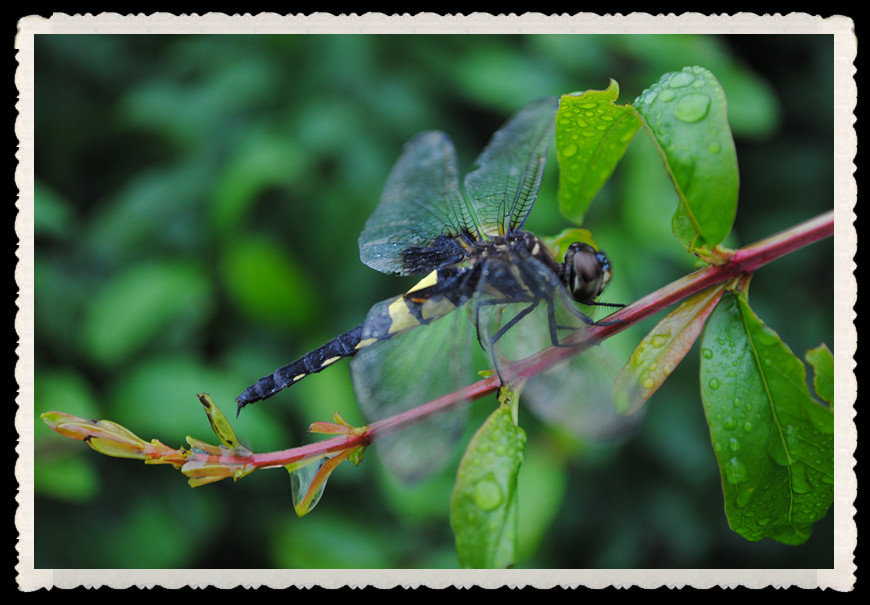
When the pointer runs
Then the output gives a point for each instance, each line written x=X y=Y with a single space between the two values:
x=500 y=285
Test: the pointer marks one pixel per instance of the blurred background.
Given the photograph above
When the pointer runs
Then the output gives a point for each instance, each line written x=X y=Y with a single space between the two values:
x=197 y=206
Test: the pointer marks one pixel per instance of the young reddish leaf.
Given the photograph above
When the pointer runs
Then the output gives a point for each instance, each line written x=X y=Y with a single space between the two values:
x=662 y=350
x=339 y=427
x=207 y=463
x=308 y=477
x=201 y=472
x=204 y=463
x=112 y=439
x=219 y=423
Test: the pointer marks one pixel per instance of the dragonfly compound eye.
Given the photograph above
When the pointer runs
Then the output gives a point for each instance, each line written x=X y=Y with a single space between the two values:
x=587 y=272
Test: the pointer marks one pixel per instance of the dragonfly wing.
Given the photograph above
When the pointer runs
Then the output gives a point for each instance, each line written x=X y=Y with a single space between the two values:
x=504 y=184
x=408 y=370
x=575 y=395
x=421 y=209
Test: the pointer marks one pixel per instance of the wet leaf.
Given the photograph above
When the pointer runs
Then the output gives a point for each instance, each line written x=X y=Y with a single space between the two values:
x=592 y=134
x=823 y=372
x=773 y=442
x=662 y=350
x=687 y=115
x=484 y=509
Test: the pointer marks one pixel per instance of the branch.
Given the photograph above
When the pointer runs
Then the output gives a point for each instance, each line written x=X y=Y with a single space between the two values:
x=742 y=261
x=210 y=463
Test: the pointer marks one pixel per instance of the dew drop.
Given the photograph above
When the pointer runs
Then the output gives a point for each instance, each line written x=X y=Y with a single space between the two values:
x=735 y=471
x=487 y=494
x=692 y=107
x=569 y=150
x=707 y=353
x=714 y=383
x=663 y=128
x=681 y=79
x=659 y=339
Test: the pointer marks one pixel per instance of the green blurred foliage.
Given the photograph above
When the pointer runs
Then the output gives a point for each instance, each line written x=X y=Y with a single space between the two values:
x=198 y=202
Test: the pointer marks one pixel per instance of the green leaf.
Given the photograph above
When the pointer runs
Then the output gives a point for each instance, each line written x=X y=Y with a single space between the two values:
x=686 y=114
x=142 y=304
x=661 y=350
x=773 y=442
x=262 y=280
x=484 y=509
x=592 y=134
x=823 y=372
x=541 y=488
x=266 y=158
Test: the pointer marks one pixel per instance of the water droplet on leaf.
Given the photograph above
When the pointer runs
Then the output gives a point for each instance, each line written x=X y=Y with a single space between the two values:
x=487 y=494
x=692 y=107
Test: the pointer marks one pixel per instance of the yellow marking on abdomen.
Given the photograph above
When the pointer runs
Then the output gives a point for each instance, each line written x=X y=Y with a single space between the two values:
x=436 y=308
x=429 y=280
x=401 y=318
x=299 y=377
x=365 y=342
x=329 y=361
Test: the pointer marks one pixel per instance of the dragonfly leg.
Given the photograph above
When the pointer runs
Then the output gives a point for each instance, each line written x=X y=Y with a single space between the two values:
x=502 y=331
x=554 y=326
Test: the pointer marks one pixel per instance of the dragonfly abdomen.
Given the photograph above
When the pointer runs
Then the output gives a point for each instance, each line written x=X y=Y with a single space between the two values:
x=421 y=305
x=345 y=345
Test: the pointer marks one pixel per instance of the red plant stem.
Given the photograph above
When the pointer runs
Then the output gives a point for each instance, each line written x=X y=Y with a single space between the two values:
x=740 y=262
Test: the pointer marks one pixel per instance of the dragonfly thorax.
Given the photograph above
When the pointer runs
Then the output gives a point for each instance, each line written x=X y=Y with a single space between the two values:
x=586 y=272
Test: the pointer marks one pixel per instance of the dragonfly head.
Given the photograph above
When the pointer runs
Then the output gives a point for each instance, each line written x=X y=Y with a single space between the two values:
x=586 y=273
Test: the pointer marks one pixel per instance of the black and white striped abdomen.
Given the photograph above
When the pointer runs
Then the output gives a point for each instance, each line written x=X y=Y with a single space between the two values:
x=420 y=305
x=318 y=360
